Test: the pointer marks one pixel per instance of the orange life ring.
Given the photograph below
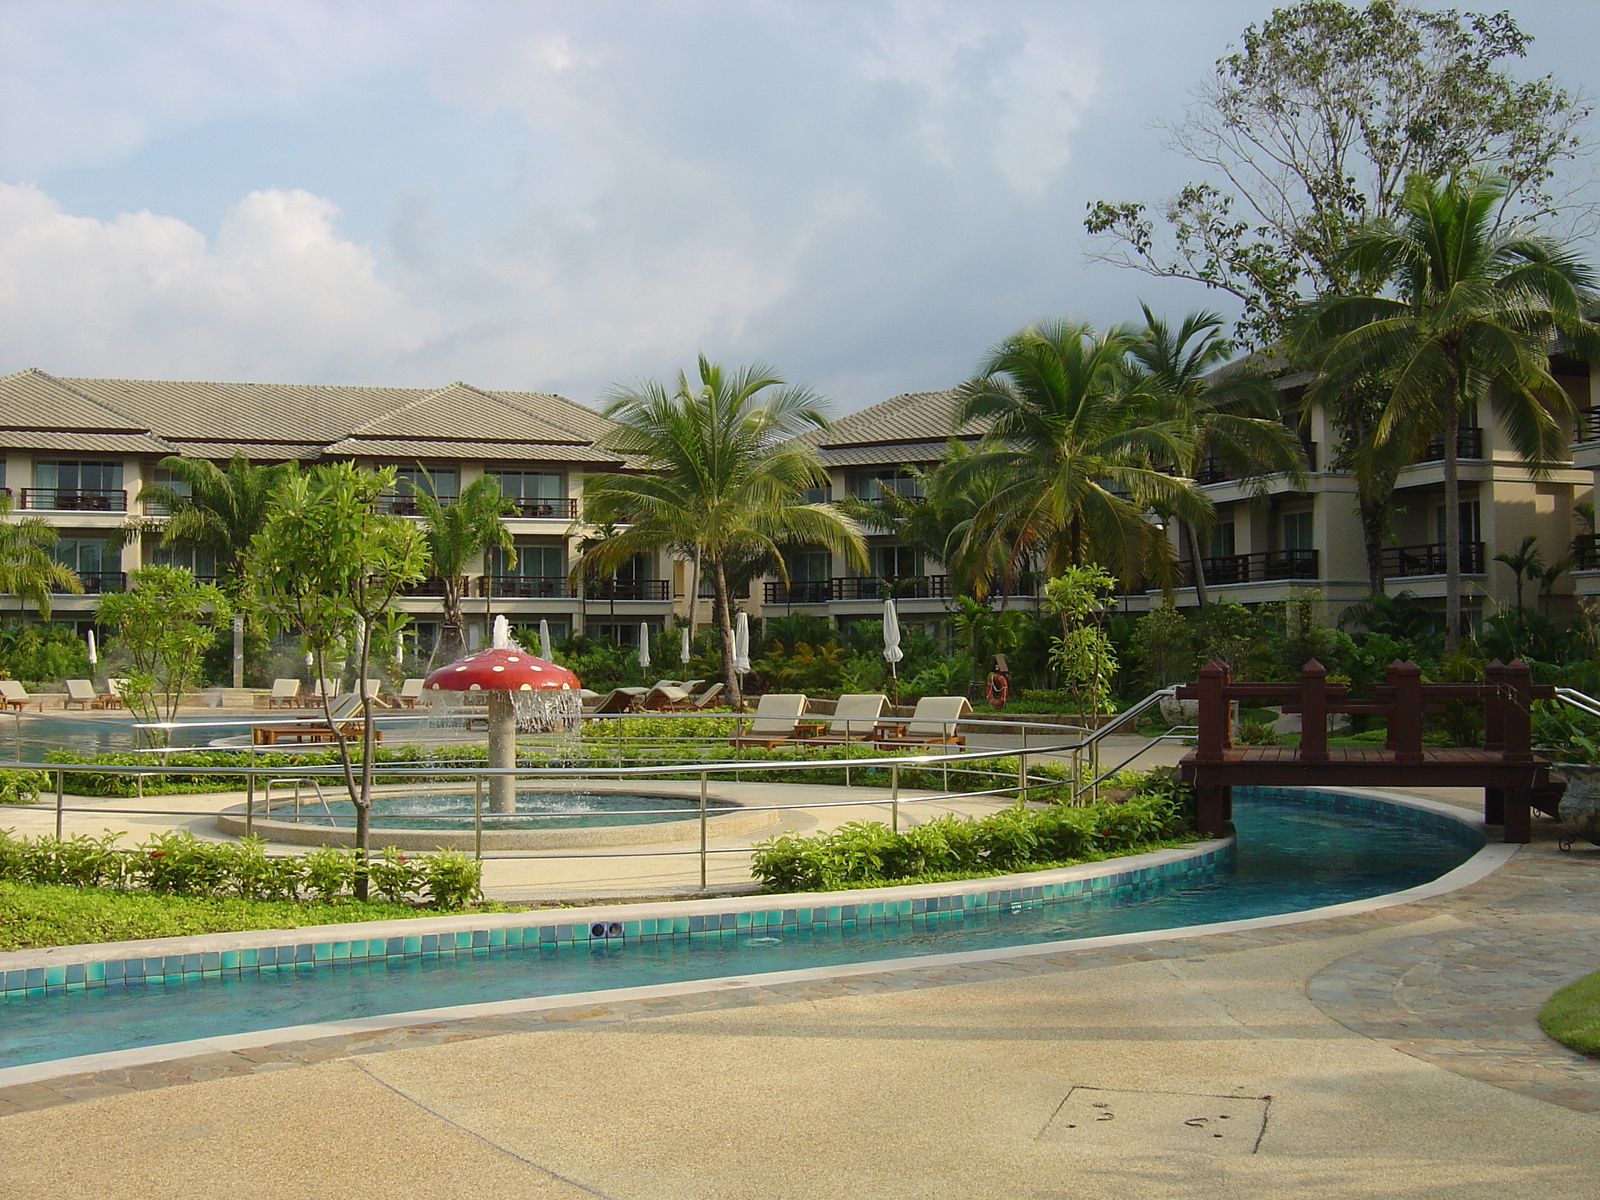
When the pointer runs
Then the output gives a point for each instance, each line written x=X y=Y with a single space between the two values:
x=999 y=688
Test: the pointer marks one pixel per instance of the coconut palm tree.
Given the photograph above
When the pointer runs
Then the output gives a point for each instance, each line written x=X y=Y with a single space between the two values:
x=216 y=509
x=456 y=534
x=26 y=569
x=1229 y=416
x=1476 y=311
x=722 y=475
x=1077 y=449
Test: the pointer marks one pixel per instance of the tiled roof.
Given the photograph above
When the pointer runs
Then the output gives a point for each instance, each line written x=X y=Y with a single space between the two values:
x=72 y=440
x=912 y=427
x=883 y=454
x=498 y=450
x=260 y=451
x=30 y=399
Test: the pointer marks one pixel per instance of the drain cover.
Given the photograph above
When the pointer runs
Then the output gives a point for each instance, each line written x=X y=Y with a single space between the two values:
x=1105 y=1119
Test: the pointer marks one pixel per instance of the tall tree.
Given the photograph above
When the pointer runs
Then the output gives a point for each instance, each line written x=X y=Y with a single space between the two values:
x=722 y=474
x=1229 y=416
x=216 y=509
x=1477 y=310
x=26 y=569
x=455 y=535
x=1076 y=449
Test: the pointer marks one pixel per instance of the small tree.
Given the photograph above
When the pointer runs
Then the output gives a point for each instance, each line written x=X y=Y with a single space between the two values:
x=1083 y=653
x=165 y=622
x=328 y=565
x=455 y=535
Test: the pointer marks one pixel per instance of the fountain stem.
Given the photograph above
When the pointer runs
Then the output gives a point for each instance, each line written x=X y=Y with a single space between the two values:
x=502 y=752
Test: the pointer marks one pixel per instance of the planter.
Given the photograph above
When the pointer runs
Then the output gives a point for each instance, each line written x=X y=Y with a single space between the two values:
x=1179 y=712
x=1580 y=803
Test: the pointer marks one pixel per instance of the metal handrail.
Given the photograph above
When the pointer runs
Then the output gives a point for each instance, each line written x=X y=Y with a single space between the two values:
x=1579 y=700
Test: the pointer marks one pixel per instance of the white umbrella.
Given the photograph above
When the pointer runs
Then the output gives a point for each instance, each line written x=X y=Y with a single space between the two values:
x=741 y=644
x=94 y=655
x=644 y=644
x=891 y=643
x=683 y=646
x=544 y=639
x=400 y=650
x=502 y=634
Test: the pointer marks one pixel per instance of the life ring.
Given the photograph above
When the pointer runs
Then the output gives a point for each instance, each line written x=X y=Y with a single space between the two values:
x=999 y=688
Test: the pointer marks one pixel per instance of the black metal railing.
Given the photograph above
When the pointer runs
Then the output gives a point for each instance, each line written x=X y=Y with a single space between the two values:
x=1588 y=429
x=559 y=508
x=526 y=587
x=879 y=587
x=1405 y=562
x=1586 y=552
x=75 y=499
x=630 y=589
x=1255 y=568
x=1469 y=444
x=404 y=504
x=102 y=581
x=1214 y=470
x=428 y=587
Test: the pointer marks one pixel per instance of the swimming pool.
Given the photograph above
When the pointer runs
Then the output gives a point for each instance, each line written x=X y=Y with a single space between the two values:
x=535 y=810
x=1295 y=850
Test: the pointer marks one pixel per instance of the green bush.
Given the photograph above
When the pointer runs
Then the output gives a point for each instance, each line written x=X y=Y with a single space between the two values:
x=23 y=787
x=179 y=864
x=1018 y=838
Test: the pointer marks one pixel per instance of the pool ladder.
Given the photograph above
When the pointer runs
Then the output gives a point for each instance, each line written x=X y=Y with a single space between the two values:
x=297 y=783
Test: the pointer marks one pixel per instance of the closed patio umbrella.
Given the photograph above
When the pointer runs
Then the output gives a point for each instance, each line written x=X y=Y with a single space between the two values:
x=544 y=639
x=741 y=644
x=891 y=642
x=683 y=644
x=644 y=644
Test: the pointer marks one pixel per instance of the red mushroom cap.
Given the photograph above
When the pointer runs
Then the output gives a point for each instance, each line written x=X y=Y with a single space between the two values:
x=498 y=670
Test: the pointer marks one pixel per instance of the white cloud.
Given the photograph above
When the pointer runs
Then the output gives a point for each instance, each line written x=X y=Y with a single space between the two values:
x=278 y=295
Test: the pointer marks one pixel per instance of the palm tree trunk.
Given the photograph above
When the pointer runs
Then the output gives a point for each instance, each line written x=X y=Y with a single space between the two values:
x=1374 y=520
x=453 y=626
x=730 y=677
x=1452 y=521
x=694 y=591
x=1199 y=563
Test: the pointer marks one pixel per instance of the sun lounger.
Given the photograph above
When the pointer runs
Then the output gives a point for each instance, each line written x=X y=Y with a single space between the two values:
x=285 y=694
x=410 y=694
x=704 y=700
x=14 y=695
x=776 y=715
x=82 y=693
x=115 y=694
x=620 y=700
x=346 y=717
x=663 y=698
x=933 y=723
x=855 y=719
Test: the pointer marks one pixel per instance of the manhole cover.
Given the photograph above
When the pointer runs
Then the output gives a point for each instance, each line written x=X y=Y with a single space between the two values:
x=1104 y=1119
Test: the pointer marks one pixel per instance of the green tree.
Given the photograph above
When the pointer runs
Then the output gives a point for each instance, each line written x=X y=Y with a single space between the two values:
x=1476 y=312
x=216 y=509
x=328 y=565
x=1227 y=415
x=1083 y=653
x=165 y=622
x=455 y=535
x=26 y=569
x=722 y=476
x=1075 y=449
x=1525 y=562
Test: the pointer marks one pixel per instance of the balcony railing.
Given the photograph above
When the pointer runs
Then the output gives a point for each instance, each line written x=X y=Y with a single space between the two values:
x=1214 y=470
x=1588 y=429
x=404 y=504
x=1406 y=562
x=630 y=589
x=877 y=587
x=1255 y=568
x=428 y=587
x=1469 y=444
x=1586 y=552
x=95 y=582
x=74 y=499
x=560 y=508
x=526 y=587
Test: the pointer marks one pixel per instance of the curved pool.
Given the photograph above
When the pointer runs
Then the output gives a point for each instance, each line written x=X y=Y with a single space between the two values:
x=535 y=810
x=1295 y=851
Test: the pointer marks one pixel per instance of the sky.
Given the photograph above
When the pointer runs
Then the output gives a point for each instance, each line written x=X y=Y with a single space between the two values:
x=570 y=197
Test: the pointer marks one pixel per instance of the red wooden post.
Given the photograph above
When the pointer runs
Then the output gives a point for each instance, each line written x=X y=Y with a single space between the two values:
x=1313 y=712
x=1494 y=699
x=1405 y=718
x=1518 y=815
x=1213 y=809
x=1517 y=713
x=1390 y=733
x=1211 y=739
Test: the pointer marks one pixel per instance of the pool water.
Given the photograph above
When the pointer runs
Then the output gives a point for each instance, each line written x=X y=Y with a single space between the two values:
x=537 y=810
x=1294 y=852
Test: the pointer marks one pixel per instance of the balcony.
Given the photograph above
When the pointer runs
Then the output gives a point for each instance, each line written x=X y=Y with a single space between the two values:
x=1255 y=568
x=630 y=589
x=1588 y=429
x=1469 y=444
x=1586 y=552
x=1407 y=562
x=1214 y=470
x=74 y=499
x=526 y=587
x=428 y=587
x=95 y=582
x=398 y=504
x=558 y=508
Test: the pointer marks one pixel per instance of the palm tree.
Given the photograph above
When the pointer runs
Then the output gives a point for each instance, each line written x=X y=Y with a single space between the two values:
x=1228 y=416
x=1477 y=310
x=455 y=535
x=222 y=510
x=26 y=569
x=1076 y=449
x=725 y=479
x=1525 y=562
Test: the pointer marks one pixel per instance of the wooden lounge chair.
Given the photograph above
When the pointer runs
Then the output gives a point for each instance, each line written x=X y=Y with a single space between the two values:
x=663 y=698
x=372 y=689
x=319 y=689
x=932 y=724
x=855 y=719
x=704 y=700
x=285 y=694
x=620 y=700
x=14 y=695
x=775 y=719
x=115 y=694
x=410 y=694
x=81 y=692
x=345 y=712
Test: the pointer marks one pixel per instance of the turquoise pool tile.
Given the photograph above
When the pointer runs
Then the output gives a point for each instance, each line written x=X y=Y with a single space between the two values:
x=341 y=950
x=249 y=958
x=497 y=937
x=321 y=951
x=53 y=976
x=96 y=971
x=413 y=945
x=742 y=920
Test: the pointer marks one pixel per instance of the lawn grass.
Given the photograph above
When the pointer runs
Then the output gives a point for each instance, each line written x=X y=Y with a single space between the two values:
x=36 y=915
x=1572 y=1015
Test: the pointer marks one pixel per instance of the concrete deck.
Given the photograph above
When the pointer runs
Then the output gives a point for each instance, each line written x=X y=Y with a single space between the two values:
x=1389 y=1053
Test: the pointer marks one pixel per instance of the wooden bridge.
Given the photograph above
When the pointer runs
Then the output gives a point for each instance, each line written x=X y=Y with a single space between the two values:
x=1514 y=780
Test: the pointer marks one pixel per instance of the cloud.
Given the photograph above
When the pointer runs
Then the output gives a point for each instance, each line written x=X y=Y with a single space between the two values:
x=277 y=295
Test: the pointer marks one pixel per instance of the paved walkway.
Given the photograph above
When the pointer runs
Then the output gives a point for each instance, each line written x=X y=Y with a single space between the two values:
x=1383 y=1054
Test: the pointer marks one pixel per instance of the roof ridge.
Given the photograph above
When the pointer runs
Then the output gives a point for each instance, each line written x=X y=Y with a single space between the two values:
x=135 y=424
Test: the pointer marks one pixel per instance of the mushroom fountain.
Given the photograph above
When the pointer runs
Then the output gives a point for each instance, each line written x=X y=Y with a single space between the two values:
x=522 y=690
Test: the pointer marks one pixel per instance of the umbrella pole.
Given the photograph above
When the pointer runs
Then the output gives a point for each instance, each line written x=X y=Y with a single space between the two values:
x=502 y=752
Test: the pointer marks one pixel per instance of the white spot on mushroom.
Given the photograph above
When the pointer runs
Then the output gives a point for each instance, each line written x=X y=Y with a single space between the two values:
x=499 y=668
x=475 y=688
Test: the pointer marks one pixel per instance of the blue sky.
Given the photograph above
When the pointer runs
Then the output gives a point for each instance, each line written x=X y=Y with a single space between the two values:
x=565 y=196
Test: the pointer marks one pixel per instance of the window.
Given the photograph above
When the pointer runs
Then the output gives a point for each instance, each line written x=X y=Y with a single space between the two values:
x=530 y=485
x=895 y=562
x=623 y=633
x=808 y=566
x=1297 y=530
x=76 y=476
x=1222 y=540
x=1471 y=527
x=199 y=561
x=532 y=562
x=445 y=483
x=873 y=485
x=637 y=569
x=91 y=558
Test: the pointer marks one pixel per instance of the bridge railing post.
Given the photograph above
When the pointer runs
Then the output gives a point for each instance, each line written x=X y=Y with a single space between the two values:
x=1211 y=734
x=1313 y=712
x=1517 y=713
x=1405 y=718
x=1494 y=707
